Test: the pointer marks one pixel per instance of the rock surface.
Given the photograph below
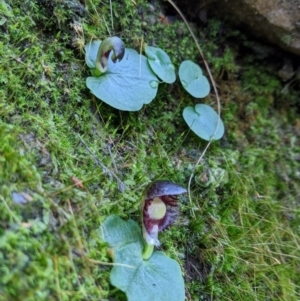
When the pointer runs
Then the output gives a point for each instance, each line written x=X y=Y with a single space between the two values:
x=276 y=20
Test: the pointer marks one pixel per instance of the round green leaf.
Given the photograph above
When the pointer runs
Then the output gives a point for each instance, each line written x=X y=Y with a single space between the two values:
x=126 y=85
x=156 y=279
x=203 y=121
x=161 y=64
x=192 y=79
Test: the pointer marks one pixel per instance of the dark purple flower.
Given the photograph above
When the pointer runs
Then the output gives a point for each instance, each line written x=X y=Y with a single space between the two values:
x=114 y=44
x=160 y=209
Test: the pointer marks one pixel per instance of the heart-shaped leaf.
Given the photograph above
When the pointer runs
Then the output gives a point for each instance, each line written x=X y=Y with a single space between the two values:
x=203 y=121
x=192 y=79
x=161 y=64
x=126 y=85
x=156 y=279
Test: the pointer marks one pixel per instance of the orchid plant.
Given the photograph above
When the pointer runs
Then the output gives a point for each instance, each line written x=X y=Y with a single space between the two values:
x=126 y=80
x=120 y=76
x=159 y=211
x=138 y=271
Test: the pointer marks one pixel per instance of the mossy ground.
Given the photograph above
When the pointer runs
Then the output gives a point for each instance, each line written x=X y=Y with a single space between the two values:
x=61 y=151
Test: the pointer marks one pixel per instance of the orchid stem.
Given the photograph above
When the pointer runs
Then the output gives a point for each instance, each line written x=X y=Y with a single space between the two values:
x=96 y=72
x=148 y=250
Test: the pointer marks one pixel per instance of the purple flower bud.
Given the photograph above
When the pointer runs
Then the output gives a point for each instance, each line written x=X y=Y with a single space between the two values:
x=160 y=209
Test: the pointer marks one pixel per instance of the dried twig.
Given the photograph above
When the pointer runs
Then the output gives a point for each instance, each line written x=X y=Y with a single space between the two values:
x=121 y=185
x=214 y=87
